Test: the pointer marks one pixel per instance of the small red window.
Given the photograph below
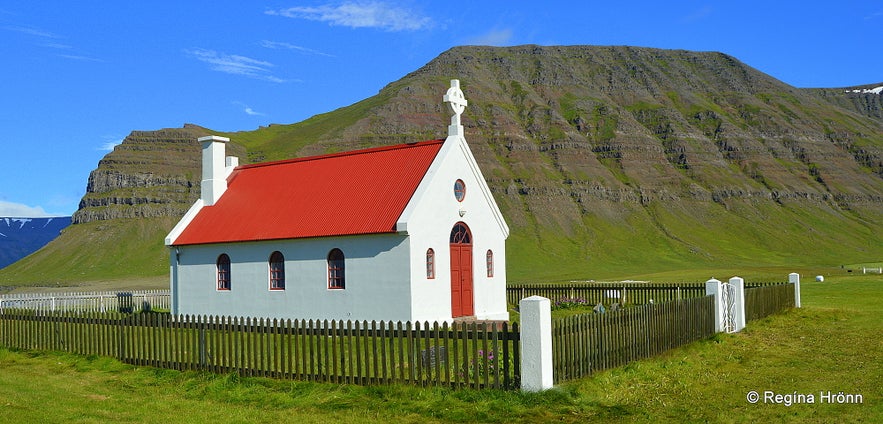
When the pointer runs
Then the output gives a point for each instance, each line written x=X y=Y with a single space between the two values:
x=277 y=271
x=336 y=276
x=430 y=264
x=459 y=190
x=223 y=272
x=490 y=263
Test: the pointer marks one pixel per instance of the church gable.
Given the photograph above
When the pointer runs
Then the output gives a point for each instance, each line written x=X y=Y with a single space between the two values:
x=455 y=162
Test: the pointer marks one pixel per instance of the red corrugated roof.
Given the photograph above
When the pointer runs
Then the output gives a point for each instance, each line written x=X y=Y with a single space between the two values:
x=358 y=192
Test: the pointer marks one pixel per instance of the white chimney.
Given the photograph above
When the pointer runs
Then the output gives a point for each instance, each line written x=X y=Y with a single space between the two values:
x=214 y=174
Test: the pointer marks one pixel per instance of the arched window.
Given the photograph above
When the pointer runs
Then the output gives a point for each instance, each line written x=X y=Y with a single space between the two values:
x=460 y=234
x=223 y=267
x=277 y=271
x=490 y=263
x=336 y=277
x=430 y=264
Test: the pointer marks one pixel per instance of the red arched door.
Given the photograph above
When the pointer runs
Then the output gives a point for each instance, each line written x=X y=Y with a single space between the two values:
x=461 y=271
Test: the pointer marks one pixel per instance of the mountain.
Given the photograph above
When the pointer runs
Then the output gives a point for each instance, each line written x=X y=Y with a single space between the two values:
x=150 y=174
x=19 y=237
x=866 y=100
x=604 y=160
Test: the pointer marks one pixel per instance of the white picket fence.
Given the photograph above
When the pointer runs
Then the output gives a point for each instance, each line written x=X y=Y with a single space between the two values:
x=105 y=301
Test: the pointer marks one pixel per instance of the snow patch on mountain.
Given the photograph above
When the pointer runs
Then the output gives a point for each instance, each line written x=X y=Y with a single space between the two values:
x=20 y=221
x=876 y=90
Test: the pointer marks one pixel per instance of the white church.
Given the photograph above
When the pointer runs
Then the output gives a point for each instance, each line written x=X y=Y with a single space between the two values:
x=408 y=232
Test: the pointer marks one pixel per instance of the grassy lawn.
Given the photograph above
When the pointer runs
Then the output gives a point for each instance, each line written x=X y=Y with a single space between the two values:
x=832 y=344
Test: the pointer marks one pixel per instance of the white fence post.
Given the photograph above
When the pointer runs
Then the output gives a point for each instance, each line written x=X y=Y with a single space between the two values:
x=536 y=344
x=713 y=287
x=738 y=302
x=794 y=278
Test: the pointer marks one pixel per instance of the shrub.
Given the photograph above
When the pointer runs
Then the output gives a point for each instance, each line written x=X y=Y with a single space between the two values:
x=570 y=303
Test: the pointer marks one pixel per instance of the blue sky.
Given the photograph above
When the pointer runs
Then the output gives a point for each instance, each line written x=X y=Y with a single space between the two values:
x=77 y=77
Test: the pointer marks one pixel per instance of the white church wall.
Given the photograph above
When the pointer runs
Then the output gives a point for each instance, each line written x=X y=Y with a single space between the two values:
x=375 y=270
x=429 y=225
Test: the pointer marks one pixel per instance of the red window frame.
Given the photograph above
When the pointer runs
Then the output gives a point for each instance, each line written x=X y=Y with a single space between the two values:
x=277 y=271
x=223 y=272
x=430 y=264
x=489 y=258
x=459 y=190
x=336 y=270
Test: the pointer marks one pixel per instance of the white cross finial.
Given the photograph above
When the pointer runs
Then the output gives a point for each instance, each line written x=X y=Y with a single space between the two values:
x=457 y=102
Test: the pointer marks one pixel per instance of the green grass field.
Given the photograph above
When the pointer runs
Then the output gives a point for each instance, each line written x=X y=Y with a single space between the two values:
x=831 y=344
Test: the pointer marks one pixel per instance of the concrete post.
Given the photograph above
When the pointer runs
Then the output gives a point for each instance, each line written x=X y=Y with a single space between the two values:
x=794 y=278
x=536 y=344
x=738 y=302
x=713 y=287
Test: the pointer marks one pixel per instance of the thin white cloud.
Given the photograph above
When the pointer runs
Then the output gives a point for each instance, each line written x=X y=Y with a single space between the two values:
x=80 y=58
x=18 y=210
x=236 y=64
x=698 y=15
x=30 y=31
x=874 y=15
x=248 y=110
x=110 y=141
x=48 y=41
x=288 y=46
x=496 y=37
x=363 y=14
x=59 y=46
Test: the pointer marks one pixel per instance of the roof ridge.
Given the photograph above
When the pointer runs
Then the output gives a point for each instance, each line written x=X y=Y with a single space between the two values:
x=342 y=154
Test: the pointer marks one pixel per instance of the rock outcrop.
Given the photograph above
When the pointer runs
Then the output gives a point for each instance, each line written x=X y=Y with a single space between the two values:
x=150 y=174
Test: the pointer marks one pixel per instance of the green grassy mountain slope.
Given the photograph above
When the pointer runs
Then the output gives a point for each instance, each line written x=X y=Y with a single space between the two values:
x=606 y=161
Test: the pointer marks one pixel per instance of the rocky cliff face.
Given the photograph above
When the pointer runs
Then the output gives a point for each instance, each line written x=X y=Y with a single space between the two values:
x=563 y=132
x=150 y=174
x=569 y=125
x=866 y=99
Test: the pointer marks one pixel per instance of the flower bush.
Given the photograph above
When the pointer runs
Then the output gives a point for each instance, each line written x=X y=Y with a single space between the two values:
x=569 y=303
x=487 y=364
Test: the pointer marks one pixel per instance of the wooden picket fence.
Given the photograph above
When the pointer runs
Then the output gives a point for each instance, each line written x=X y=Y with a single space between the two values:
x=583 y=344
x=95 y=301
x=475 y=355
x=625 y=293
x=767 y=300
x=592 y=293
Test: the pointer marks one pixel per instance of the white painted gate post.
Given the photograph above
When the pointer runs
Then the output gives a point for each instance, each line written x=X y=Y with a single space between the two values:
x=536 y=344
x=738 y=302
x=794 y=278
x=713 y=287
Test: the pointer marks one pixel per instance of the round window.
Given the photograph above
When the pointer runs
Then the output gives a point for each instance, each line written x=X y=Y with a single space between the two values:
x=459 y=190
